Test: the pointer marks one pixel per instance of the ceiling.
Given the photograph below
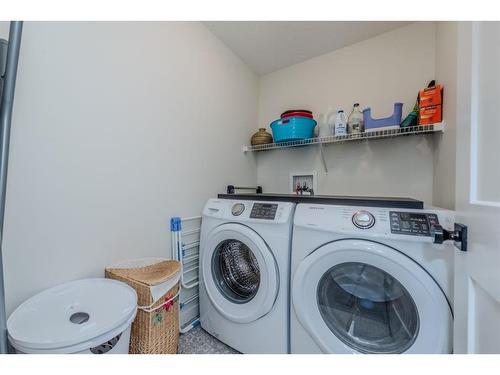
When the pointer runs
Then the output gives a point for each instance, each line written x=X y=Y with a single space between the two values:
x=267 y=46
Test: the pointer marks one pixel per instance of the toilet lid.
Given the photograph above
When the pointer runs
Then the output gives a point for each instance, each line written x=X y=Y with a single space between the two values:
x=71 y=313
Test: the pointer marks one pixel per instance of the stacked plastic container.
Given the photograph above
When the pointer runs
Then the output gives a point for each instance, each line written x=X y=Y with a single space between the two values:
x=293 y=125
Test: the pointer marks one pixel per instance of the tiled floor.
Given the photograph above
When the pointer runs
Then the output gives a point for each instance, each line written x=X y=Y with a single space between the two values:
x=198 y=341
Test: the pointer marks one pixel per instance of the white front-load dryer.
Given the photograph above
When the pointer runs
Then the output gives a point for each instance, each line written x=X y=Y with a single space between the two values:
x=370 y=280
x=244 y=273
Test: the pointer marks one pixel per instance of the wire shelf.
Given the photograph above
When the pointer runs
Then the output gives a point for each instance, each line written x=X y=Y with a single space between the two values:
x=389 y=133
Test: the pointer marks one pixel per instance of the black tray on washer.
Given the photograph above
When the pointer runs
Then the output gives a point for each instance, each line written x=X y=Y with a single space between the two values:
x=345 y=200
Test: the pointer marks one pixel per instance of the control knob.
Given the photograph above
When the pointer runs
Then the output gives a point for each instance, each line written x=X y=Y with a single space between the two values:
x=363 y=219
x=237 y=209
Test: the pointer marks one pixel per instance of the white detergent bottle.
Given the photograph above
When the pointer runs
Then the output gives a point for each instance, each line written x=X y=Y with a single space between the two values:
x=340 y=124
x=322 y=128
x=330 y=120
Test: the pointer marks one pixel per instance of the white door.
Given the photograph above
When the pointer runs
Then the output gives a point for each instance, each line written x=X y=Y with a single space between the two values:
x=359 y=296
x=240 y=274
x=477 y=275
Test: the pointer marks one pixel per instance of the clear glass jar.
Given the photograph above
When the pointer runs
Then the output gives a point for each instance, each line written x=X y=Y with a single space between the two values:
x=355 y=124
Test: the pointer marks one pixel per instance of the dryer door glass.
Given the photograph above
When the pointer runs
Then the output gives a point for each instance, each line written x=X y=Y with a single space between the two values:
x=236 y=271
x=367 y=309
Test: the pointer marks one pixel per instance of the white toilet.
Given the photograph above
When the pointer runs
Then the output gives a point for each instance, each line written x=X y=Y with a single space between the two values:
x=91 y=316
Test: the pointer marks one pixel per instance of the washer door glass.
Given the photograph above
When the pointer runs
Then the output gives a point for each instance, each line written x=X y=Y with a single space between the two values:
x=367 y=309
x=236 y=271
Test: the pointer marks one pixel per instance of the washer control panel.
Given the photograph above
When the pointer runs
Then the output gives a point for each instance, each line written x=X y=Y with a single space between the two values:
x=246 y=211
x=412 y=223
x=264 y=211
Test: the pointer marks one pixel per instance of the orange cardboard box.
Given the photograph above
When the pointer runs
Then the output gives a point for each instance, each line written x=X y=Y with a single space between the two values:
x=431 y=96
x=430 y=115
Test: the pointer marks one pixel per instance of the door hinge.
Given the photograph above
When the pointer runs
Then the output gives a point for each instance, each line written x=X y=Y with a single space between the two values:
x=459 y=235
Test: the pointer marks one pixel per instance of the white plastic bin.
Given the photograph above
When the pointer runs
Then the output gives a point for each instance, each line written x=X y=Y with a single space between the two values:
x=91 y=316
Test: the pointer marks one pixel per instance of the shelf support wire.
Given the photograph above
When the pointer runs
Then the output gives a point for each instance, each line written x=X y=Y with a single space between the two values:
x=322 y=156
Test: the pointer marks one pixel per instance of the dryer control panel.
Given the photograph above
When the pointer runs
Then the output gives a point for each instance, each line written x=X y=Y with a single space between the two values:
x=412 y=223
x=373 y=222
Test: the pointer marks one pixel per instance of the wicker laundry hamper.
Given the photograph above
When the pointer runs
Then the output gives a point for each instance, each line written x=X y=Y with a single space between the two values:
x=156 y=327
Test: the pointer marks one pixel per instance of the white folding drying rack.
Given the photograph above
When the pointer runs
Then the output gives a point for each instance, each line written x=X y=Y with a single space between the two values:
x=186 y=250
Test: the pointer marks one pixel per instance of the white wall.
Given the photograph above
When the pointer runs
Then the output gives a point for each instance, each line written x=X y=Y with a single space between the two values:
x=376 y=73
x=445 y=145
x=117 y=127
